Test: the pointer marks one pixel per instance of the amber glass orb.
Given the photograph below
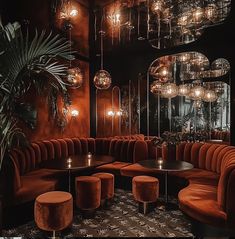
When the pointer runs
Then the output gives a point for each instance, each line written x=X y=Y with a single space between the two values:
x=169 y=90
x=184 y=90
x=197 y=92
x=210 y=96
x=162 y=74
x=157 y=6
x=184 y=19
x=102 y=80
x=75 y=77
x=197 y=15
x=155 y=87
x=211 y=12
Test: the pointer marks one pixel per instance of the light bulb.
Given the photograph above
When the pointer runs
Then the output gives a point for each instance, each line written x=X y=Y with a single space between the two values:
x=184 y=90
x=155 y=87
x=198 y=15
x=75 y=77
x=210 y=96
x=110 y=113
x=211 y=12
x=74 y=113
x=157 y=6
x=197 y=92
x=73 y=12
x=169 y=90
x=119 y=113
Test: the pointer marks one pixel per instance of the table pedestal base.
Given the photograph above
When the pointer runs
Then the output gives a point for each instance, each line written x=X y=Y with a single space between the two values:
x=146 y=207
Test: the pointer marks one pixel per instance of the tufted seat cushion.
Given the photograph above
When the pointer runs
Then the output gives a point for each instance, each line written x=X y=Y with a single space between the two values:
x=199 y=176
x=200 y=202
x=136 y=169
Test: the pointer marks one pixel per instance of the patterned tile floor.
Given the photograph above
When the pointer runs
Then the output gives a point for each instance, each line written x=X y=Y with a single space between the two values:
x=121 y=219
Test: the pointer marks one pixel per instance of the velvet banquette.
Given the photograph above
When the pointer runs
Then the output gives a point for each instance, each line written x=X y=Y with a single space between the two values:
x=208 y=197
x=25 y=179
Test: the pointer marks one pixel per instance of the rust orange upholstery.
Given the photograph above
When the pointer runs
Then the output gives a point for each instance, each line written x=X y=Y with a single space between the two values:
x=88 y=192
x=211 y=183
x=145 y=188
x=107 y=184
x=53 y=211
x=29 y=180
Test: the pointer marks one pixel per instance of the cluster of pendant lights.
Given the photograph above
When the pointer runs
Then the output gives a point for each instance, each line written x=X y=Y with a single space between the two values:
x=164 y=23
x=74 y=78
x=192 y=91
x=193 y=66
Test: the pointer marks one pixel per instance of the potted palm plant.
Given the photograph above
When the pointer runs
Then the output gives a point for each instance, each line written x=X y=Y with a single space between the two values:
x=21 y=56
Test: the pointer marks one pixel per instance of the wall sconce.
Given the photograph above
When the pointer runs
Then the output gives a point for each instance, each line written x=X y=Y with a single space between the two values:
x=111 y=113
x=74 y=113
x=68 y=11
x=119 y=113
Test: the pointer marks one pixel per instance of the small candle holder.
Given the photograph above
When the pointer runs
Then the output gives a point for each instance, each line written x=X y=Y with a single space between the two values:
x=89 y=155
x=69 y=165
x=160 y=161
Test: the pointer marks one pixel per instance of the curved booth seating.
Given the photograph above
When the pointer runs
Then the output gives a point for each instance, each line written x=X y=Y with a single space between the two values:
x=145 y=190
x=88 y=194
x=107 y=186
x=25 y=179
x=53 y=211
x=210 y=194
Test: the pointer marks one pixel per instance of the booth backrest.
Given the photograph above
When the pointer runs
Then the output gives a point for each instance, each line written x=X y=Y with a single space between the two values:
x=219 y=159
x=29 y=159
x=222 y=135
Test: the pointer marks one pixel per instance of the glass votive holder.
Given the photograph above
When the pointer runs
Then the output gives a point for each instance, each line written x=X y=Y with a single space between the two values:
x=89 y=155
x=160 y=161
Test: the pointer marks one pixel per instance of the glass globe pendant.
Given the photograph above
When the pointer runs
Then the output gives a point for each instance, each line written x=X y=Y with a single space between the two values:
x=74 y=77
x=210 y=96
x=211 y=12
x=169 y=90
x=155 y=87
x=157 y=6
x=102 y=79
x=184 y=90
x=197 y=92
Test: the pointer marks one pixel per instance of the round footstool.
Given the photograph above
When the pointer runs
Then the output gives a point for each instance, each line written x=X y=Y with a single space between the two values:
x=107 y=186
x=53 y=211
x=88 y=194
x=145 y=190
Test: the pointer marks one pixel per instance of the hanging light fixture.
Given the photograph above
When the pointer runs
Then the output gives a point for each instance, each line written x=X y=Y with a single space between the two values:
x=74 y=76
x=210 y=96
x=162 y=73
x=169 y=90
x=197 y=92
x=184 y=90
x=155 y=87
x=157 y=6
x=197 y=15
x=68 y=10
x=211 y=12
x=102 y=79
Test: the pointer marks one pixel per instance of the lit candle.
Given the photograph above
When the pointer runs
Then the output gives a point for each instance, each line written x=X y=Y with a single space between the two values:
x=69 y=160
x=160 y=161
x=69 y=165
x=89 y=155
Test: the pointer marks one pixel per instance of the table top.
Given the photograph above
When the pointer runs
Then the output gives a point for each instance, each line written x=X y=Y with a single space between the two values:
x=77 y=162
x=166 y=165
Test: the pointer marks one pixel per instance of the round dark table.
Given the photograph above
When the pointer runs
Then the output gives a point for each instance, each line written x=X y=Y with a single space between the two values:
x=166 y=166
x=77 y=163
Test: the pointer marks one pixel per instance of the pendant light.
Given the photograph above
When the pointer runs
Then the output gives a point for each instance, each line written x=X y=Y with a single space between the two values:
x=74 y=74
x=102 y=79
